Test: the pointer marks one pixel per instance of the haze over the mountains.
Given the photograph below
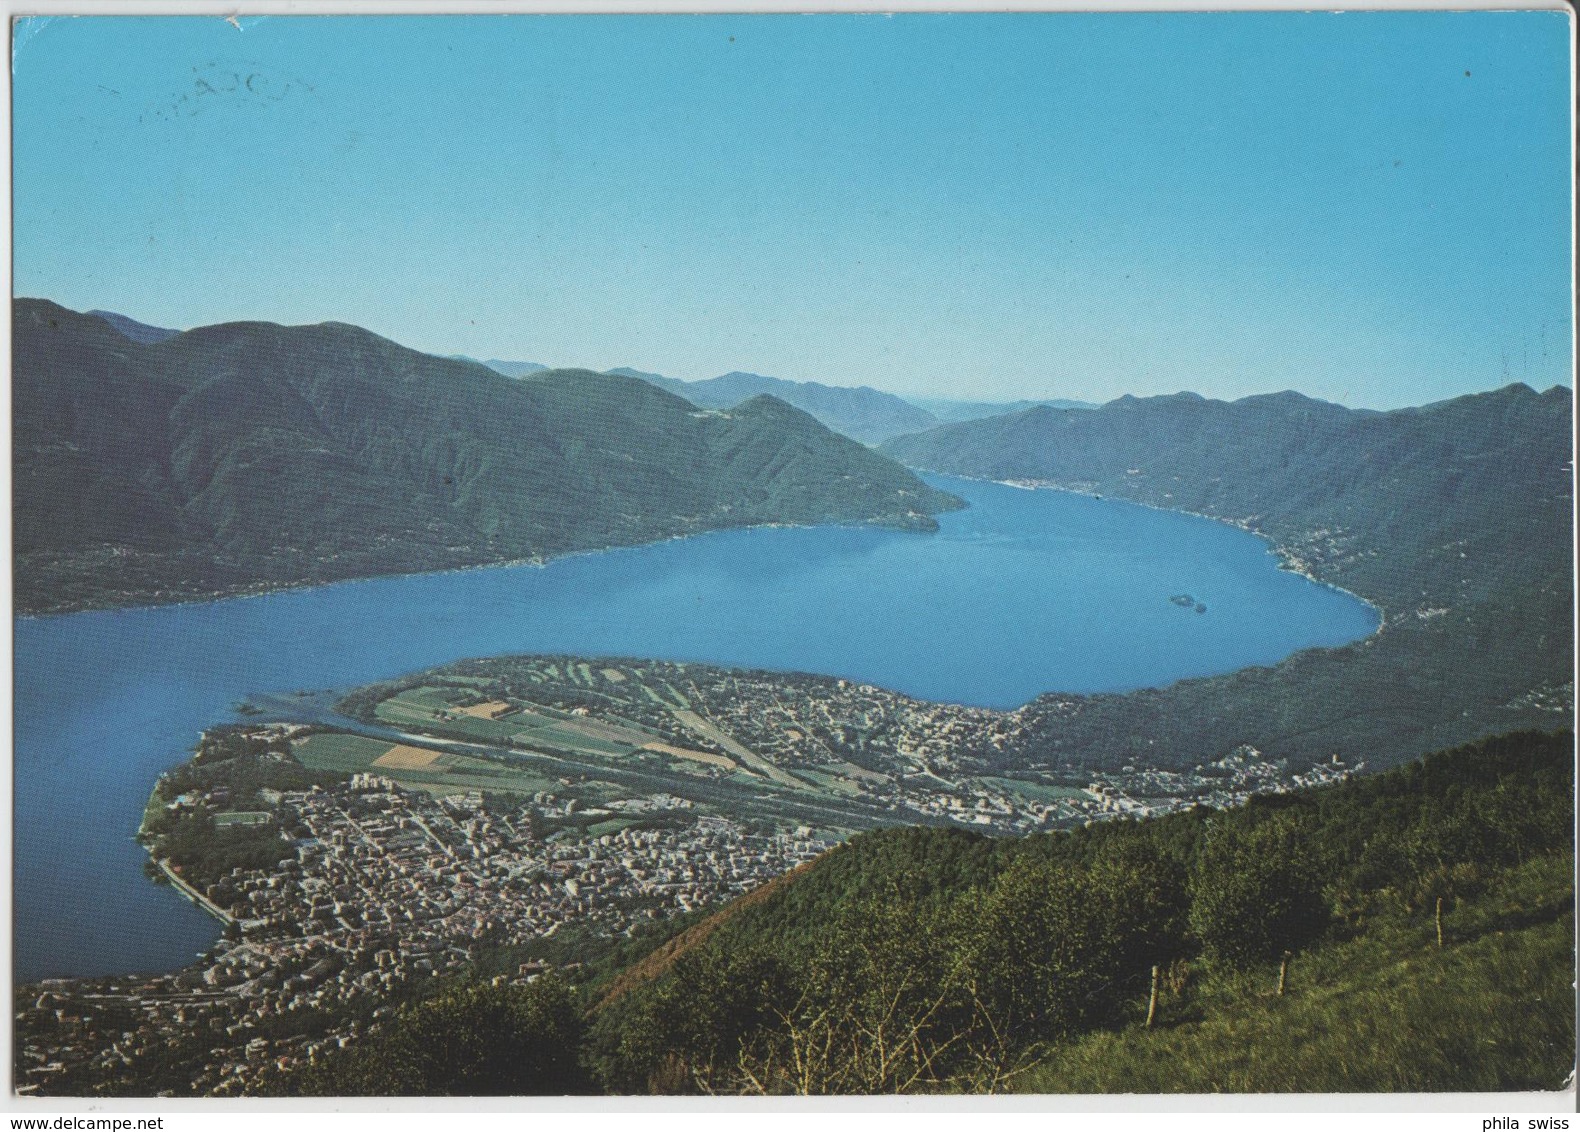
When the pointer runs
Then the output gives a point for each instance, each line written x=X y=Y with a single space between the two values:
x=872 y=416
x=862 y=413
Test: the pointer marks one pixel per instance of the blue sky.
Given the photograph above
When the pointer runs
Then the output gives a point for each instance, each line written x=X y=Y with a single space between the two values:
x=1372 y=208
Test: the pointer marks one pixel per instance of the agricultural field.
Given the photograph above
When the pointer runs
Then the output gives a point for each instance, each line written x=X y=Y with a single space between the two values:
x=407 y=758
x=763 y=745
x=330 y=750
x=837 y=783
x=707 y=757
x=450 y=774
x=242 y=817
x=460 y=712
x=420 y=768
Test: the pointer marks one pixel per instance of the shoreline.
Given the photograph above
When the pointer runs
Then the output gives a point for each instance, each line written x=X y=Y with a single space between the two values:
x=1286 y=558
x=265 y=589
x=192 y=894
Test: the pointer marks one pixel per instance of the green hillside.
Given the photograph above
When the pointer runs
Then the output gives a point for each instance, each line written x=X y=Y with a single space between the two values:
x=1386 y=1011
x=1473 y=492
x=1454 y=519
x=248 y=454
x=920 y=960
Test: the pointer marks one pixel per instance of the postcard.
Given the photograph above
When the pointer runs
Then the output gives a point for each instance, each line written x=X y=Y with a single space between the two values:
x=1020 y=554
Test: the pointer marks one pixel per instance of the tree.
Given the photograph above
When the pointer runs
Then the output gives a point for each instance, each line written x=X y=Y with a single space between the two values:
x=719 y=1003
x=1253 y=894
x=473 y=1040
x=1059 y=948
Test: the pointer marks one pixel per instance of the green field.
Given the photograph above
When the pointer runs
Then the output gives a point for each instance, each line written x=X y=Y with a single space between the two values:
x=403 y=711
x=335 y=751
x=499 y=731
x=449 y=773
x=611 y=825
x=417 y=707
x=453 y=773
x=573 y=741
x=838 y=784
x=243 y=817
x=1033 y=791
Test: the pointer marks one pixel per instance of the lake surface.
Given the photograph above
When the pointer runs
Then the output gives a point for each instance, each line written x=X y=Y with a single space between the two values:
x=1024 y=592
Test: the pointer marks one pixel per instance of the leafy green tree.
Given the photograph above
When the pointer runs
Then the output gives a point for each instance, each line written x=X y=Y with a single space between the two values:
x=1059 y=948
x=718 y=1003
x=473 y=1040
x=883 y=1007
x=1253 y=893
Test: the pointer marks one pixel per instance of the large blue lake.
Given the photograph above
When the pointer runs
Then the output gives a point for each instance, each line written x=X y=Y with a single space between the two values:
x=1022 y=593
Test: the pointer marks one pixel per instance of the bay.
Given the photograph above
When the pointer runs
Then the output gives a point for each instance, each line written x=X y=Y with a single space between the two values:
x=1023 y=592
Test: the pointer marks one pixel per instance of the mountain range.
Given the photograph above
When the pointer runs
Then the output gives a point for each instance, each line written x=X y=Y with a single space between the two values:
x=868 y=415
x=1455 y=519
x=139 y=332
x=515 y=369
x=863 y=414
x=249 y=455
x=948 y=411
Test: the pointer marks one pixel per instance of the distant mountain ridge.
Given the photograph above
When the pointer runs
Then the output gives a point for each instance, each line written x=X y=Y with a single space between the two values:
x=949 y=411
x=1288 y=464
x=249 y=455
x=862 y=413
x=139 y=332
x=1454 y=518
x=516 y=369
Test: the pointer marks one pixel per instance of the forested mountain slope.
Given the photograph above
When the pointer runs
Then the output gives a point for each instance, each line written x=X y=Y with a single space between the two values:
x=920 y=959
x=1454 y=518
x=249 y=454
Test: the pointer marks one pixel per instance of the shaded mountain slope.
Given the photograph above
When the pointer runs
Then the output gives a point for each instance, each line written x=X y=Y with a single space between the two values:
x=251 y=454
x=1454 y=518
x=1486 y=473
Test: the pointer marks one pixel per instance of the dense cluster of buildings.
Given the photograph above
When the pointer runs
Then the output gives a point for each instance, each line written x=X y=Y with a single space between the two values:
x=920 y=759
x=388 y=885
x=814 y=720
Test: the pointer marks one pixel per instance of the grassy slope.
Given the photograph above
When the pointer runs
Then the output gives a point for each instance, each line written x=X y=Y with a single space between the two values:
x=1384 y=1011
x=1373 y=1006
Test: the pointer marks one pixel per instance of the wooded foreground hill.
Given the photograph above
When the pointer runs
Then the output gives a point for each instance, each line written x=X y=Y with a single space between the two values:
x=249 y=454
